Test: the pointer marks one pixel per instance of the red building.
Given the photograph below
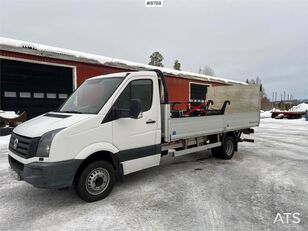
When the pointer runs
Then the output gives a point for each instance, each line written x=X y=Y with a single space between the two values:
x=37 y=78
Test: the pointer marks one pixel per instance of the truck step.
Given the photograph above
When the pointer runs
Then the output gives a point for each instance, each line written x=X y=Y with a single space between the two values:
x=194 y=149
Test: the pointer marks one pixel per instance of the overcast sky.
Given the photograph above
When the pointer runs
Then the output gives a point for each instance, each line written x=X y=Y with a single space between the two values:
x=238 y=39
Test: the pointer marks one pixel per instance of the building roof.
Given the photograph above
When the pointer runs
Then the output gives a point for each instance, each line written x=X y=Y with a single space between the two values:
x=65 y=54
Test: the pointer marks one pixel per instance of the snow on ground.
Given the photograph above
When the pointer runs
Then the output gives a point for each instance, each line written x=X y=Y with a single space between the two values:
x=265 y=114
x=300 y=107
x=4 y=143
x=193 y=192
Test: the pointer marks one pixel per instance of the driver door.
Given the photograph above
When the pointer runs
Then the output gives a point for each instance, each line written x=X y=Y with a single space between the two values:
x=136 y=138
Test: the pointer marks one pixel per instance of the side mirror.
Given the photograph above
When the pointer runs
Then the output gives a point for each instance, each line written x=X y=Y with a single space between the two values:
x=118 y=113
x=135 y=108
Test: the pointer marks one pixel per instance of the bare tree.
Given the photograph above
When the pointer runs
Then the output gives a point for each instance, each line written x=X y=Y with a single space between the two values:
x=265 y=102
x=206 y=70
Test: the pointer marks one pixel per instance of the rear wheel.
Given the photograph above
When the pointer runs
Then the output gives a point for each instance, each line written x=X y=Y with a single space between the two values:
x=95 y=181
x=227 y=149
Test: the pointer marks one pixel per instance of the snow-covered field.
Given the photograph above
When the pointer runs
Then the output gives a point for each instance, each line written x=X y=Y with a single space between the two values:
x=194 y=192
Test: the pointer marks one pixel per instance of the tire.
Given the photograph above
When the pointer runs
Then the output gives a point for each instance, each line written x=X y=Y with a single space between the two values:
x=216 y=152
x=227 y=149
x=95 y=182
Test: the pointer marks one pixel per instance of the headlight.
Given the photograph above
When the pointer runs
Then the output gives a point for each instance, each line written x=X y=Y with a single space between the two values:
x=45 y=143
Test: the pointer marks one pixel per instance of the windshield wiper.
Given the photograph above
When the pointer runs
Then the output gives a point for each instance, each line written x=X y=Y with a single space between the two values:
x=76 y=112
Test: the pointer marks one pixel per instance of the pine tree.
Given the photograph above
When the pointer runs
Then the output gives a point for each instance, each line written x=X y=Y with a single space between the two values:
x=177 y=65
x=156 y=59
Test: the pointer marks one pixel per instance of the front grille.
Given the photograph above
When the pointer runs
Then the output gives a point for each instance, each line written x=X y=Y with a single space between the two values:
x=26 y=146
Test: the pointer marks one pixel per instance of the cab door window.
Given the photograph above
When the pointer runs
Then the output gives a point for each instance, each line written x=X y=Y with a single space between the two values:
x=137 y=89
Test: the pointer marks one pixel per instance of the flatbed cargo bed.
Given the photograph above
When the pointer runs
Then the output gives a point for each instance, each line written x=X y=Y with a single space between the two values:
x=243 y=112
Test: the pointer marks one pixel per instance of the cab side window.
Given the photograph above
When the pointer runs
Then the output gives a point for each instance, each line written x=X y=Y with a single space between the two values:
x=137 y=89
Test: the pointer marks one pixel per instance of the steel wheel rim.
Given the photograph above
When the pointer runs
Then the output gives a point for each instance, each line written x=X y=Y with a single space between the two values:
x=229 y=147
x=97 y=181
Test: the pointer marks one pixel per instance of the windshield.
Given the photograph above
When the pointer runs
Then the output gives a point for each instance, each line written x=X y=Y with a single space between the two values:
x=91 y=96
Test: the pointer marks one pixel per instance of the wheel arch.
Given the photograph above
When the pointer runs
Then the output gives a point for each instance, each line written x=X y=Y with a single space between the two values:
x=101 y=155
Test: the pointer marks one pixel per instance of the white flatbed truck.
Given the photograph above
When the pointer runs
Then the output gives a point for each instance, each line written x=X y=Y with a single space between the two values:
x=116 y=124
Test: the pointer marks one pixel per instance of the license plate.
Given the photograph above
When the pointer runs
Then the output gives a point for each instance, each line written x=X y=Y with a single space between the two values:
x=15 y=174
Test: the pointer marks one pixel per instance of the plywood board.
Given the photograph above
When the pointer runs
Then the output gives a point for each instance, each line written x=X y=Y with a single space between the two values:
x=243 y=98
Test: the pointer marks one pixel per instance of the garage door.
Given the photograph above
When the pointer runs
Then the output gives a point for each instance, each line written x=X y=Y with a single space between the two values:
x=34 y=88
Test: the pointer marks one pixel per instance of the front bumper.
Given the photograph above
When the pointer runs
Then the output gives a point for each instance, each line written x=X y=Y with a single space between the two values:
x=47 y=174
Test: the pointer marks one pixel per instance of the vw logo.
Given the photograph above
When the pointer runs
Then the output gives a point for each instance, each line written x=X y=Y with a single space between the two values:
x=15 y=143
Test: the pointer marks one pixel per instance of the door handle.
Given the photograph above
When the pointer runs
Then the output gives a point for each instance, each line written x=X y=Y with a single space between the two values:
x=150 y=121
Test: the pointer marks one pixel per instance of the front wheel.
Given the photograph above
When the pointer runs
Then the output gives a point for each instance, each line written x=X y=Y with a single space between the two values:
x=227 y=149
x=95 y=181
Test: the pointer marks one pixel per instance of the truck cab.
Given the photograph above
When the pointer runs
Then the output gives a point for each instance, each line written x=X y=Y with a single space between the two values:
x=116 y=124
x=111 y=121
